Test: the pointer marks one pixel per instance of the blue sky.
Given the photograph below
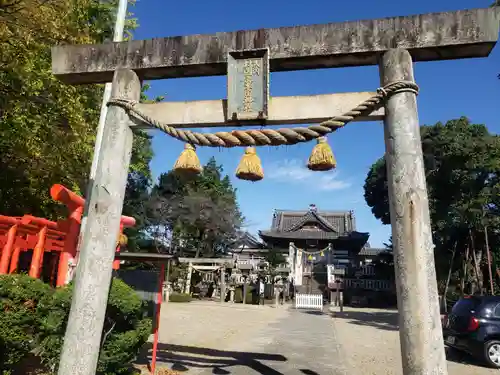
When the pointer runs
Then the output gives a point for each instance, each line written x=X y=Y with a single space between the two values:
x=449 y=89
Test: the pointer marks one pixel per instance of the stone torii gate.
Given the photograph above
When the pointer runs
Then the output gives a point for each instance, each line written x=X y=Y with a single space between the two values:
x=391 y=43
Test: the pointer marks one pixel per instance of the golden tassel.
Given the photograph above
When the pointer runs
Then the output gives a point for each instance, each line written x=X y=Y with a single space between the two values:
x=321 y=158
x=188 y=161
x=310 y=257
x=122 y=240
x=250 y=167
x=322 y=254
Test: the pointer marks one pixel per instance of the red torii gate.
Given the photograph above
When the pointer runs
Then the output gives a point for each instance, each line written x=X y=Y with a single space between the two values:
x=19 y=234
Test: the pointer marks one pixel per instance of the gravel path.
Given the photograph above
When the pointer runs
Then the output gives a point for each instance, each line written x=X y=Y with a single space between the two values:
x=202 y=338
x=210 y=338
x=370 y=342
x=305 y=341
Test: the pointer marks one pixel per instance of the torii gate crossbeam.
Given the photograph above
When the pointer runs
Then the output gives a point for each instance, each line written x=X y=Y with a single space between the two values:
x=428 y=37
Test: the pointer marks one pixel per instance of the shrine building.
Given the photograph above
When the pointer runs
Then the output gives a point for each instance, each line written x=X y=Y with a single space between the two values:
x=313 y=241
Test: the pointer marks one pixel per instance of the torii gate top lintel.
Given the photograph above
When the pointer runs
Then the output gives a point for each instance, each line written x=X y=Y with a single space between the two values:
x=428 y=37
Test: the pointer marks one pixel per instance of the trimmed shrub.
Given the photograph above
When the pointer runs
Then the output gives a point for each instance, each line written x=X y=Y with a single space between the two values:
x=124 y=333
x=238 y=295
x=20 y=296
x=33 y=320
x=180 y=297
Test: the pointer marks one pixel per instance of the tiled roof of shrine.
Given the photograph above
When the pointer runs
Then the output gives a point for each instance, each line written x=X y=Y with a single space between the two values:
x=312 y=224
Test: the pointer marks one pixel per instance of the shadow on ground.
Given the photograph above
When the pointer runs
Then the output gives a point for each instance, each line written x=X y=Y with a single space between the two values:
x=182 y=358
x=389 y=321
x=313 y=312
x=382 y=320
x=457 y=356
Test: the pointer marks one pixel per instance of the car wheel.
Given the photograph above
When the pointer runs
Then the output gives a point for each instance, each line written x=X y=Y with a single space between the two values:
x=492 y=353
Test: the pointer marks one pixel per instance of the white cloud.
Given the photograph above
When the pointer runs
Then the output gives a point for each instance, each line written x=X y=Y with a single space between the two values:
x=296 y=172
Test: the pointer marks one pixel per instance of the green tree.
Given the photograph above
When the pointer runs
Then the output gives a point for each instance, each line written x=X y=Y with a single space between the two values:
x=462 y=165
x=388 y=245
x=384 y=265
x=198 y=214
x=275 y=258
x=376 y=193
x=139 y=182
x=48 y=128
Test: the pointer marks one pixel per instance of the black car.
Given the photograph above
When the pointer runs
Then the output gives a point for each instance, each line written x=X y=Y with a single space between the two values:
x=473 y=326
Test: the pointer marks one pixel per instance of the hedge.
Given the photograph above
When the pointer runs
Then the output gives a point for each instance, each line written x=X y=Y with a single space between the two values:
x=19 y=317
x=33 y=319
x=238 y=295
x=180 y=297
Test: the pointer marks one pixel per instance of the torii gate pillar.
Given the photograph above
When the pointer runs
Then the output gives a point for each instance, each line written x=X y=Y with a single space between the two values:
x=420 y=337
x=82 y=340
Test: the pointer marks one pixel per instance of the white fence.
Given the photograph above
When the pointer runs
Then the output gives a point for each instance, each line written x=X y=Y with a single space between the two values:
x=253 y=262
x=309 y=301
x=368 y=284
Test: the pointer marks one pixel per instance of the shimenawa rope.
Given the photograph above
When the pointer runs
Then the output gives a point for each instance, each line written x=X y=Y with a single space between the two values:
x=270 y=137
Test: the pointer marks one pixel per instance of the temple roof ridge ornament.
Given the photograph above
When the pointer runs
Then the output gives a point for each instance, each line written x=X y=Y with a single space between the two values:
x=302 y=212
x=329 y=221
x=312 y=216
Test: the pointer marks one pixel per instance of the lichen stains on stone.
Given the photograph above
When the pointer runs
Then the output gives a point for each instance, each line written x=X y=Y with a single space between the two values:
x=469 y=33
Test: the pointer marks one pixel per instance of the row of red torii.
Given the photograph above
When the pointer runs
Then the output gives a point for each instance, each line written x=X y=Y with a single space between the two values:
x=42 y=236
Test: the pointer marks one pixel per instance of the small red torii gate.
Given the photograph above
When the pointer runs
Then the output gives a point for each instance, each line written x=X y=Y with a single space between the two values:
x=19 y=234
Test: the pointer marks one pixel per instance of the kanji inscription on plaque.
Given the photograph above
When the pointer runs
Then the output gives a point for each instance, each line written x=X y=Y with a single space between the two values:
x=247 y=85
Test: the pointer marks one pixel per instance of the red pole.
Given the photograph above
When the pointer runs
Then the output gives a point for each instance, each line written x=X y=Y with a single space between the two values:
x=14 y=260
x=70 y=243
x=159 y=300
x=75 y=203
x=7 y=250
x=38 y=254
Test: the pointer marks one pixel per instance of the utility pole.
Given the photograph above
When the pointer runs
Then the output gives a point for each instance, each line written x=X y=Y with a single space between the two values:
x=121 y=14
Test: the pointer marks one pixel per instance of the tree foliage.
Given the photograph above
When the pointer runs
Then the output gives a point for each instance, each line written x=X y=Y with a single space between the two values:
x=384 y=265
x=462 y=161
x=139 y=183
x=462 y=167
x=196 y=214
x=48 y=128
x=275 y=258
